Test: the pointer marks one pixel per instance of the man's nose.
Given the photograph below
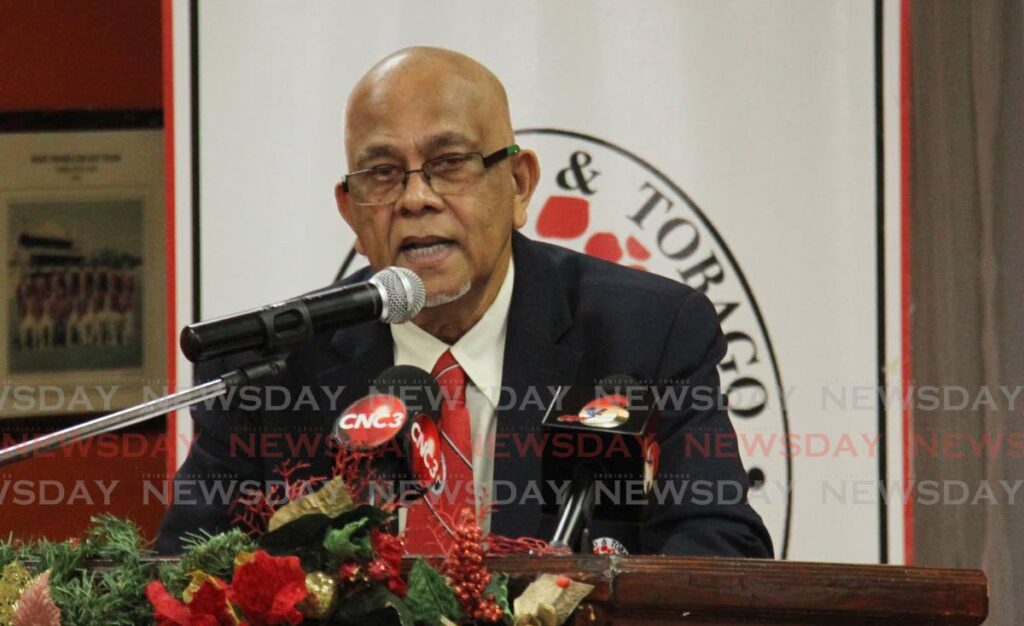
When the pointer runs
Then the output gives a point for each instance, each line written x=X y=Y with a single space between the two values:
x=418 y=195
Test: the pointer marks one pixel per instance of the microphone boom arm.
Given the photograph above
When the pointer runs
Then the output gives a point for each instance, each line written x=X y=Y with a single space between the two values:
x=247 y=374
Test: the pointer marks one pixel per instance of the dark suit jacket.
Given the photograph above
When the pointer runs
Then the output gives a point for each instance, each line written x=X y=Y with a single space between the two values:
x=574 y=319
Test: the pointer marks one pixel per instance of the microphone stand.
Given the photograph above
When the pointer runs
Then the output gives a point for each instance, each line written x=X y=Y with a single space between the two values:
x=577 y=510
x=245 y=375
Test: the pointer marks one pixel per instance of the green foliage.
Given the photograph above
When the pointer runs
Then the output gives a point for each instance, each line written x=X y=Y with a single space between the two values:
x=213 y=554
x=351 y=542
x=101 y=580
x=429 y=597
x=62 y=558
x=7 y=551
x=111 y=598
x=113 y=538
x=111 y=595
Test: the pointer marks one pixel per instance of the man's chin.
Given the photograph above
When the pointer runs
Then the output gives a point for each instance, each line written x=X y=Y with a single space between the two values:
x=446 y=296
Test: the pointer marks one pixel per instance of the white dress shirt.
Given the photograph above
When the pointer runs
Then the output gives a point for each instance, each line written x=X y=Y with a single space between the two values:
x=481 y=353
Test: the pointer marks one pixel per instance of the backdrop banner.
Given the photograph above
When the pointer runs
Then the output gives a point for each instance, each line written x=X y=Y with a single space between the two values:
x=729 y=145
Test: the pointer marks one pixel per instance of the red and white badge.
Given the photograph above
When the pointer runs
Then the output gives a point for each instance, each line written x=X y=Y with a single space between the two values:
x=608 y=546
x=604 y=412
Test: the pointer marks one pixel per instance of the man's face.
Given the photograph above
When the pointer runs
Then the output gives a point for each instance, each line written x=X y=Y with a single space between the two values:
x=453 y=242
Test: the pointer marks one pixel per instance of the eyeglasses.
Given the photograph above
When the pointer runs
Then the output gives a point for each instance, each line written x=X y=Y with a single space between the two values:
x=447 y=174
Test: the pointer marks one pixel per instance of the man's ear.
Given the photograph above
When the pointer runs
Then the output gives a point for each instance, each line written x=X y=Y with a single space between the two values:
x=526 y=175
x=345 y=210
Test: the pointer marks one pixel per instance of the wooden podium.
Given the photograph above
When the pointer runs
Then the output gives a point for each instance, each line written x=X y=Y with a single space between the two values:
x=646 y=590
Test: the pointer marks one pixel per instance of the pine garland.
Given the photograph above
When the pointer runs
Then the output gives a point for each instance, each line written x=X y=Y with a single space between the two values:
x=112 y=596
x=213 y=554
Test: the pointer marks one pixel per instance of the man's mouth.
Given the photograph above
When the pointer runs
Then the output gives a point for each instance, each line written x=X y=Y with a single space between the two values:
x=417 y=248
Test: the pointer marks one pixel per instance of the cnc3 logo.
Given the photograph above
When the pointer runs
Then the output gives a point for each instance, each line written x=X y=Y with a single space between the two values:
x=598 y=198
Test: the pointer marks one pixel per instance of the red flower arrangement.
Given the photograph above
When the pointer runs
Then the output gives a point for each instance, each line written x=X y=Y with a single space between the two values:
x=354 y=565
x=389 y=549
x=209 y=606
x=267 y=588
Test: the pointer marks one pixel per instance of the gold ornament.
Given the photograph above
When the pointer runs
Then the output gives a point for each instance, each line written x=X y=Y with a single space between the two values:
x=13 y=581
x=322 y=597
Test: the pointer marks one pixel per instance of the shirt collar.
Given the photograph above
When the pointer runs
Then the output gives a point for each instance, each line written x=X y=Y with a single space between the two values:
x=480 y=352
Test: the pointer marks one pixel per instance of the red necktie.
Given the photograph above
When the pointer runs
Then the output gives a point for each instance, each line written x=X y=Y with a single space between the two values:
x=429 y=520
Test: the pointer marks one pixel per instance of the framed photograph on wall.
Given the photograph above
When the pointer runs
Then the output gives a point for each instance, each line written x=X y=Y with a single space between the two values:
x=82 y=235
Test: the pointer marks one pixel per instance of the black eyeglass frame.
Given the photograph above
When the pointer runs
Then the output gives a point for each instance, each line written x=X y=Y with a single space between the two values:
x=489 y=160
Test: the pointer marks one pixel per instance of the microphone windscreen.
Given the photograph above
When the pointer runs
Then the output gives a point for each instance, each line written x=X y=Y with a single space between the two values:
x=406 y=294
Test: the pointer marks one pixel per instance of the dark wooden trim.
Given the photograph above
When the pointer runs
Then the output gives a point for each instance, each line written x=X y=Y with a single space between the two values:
x=657 y=590
x=79 y=120
x=671 y=590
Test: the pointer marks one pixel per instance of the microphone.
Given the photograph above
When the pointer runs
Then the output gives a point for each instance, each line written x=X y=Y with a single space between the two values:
x=402 y=405
x=612 y=455
x=392 y=295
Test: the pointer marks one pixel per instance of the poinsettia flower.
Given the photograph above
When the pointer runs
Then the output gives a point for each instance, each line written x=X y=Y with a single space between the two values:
x=387 y=546
x=209 y=606
x=212 y=599
x=267 y=588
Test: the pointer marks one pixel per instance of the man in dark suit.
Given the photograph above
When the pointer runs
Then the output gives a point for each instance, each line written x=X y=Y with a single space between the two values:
x=438 y=185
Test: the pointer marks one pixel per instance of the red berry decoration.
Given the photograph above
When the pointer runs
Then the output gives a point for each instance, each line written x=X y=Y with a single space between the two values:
x=563 y=582
x=464 y=566
x=349 y=572
x=379 y=570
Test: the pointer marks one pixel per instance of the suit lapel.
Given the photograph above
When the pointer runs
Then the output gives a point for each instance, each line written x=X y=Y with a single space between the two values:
x=537 y=360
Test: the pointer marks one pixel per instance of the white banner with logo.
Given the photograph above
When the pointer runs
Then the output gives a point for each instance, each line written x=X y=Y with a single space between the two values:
x=730 y=145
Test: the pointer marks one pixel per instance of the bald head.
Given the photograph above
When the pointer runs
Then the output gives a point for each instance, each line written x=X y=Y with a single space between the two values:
x=434 y=108
x=436 y=79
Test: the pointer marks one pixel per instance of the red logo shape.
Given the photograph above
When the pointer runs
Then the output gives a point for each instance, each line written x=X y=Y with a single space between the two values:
x=563 y=217
x=604 y=246
x=371 y=421
x=567 y=217
x=637 y=250
x=426 y=457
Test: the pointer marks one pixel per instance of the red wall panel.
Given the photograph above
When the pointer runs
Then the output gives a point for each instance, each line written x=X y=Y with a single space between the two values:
x=79 y=54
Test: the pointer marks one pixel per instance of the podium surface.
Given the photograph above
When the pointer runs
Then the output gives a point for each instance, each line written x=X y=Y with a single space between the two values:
x=635 y=590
